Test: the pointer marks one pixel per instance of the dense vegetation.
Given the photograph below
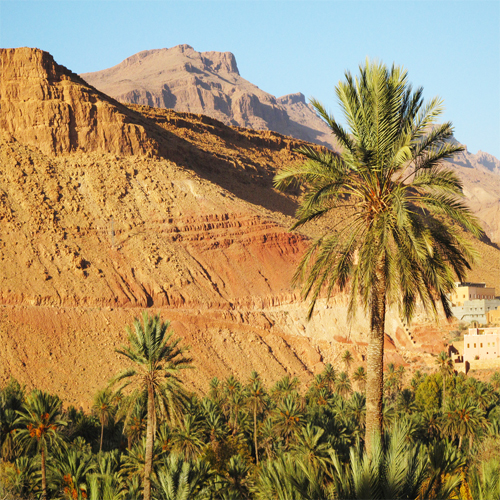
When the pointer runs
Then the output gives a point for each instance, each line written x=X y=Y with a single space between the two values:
x=243 y=440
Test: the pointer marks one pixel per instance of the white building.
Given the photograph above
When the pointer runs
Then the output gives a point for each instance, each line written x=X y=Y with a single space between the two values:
x=482 y=343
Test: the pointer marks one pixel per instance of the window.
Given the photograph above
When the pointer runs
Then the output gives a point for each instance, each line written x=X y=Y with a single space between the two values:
x=474 y=345
x=468 y=345
x=481 y=344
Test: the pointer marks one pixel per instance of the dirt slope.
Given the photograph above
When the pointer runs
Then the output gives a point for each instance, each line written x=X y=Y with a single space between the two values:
x=93 y=233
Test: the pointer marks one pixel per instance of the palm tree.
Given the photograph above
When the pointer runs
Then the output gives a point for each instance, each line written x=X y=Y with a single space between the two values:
x=397 y=469
x=69 y=471
x=462 y=419
x=237 y=482
x=285 y=387
x=107 y=482
x=39 y=427
x=256 y=398
x=343 y=384
x=359 y=377
x=312 y=447
x=495 y=380
x=396 y=240
x=445 y=364
x=287 y=478
x=158 y=359
x=19 y=479
x=328 y=374
x=347 y=358
x=188 y=438
x=288 y=418
x=7 y=433
x=105 y=408
x=182 y=479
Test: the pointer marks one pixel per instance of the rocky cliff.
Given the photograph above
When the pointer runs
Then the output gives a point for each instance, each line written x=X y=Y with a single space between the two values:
x=183 y=79
x=108 y=210
x=47 y=106
x=209 y=82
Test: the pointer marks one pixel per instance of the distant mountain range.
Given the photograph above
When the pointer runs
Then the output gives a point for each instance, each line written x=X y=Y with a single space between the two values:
x=209 y=83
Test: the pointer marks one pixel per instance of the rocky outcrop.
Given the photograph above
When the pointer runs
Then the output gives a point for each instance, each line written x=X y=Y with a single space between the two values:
x=210 y=83
x=47 y=106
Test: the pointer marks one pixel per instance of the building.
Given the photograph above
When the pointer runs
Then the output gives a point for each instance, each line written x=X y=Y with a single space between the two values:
x=482 y=343
x=471 y=291
x=475 y=310
x=493 y=317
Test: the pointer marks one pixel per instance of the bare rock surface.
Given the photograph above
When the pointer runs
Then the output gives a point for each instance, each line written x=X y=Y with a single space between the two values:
x=47 y=106
x=159 y=210
x=183 y=79
x=209 y=82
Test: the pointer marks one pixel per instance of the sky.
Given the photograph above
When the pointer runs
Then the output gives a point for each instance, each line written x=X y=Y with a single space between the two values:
x=450 y=48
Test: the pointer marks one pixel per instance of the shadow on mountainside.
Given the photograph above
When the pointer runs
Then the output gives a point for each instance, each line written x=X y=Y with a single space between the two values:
x=238 y=160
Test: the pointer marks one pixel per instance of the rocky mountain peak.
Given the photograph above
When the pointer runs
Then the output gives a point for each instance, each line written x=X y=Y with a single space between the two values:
x=47 y=106
x=297 y=98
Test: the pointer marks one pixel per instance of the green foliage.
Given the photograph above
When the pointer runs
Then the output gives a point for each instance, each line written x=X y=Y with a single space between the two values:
x=179 y=478
x=310 y=446
x=429 y=393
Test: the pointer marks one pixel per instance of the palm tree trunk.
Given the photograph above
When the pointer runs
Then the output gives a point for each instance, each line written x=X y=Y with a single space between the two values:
x=444 y=392
x=44 y=476
x=255 y=431
x=102 y=432
x=375 y=361
x=148 y=464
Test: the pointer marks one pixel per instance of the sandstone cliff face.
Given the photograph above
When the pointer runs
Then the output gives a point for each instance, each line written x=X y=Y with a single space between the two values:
x=185 y=80
x=46 y=106
x=92 y=234
x=210 y=83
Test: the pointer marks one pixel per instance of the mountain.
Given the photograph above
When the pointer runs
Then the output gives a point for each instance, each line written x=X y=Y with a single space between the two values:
x=183 y=79
x=208 y=83
x=480 y=174
x=109 y=209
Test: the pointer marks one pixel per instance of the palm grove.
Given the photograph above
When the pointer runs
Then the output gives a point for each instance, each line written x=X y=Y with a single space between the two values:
x=400 y=241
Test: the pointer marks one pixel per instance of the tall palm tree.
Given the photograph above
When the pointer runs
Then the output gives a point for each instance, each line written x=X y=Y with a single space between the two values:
x=157 y=359
x=256 y=399
x=445 y=365
x=39 y=427
x=105 y=408
x=347 y=358
x=396 y=239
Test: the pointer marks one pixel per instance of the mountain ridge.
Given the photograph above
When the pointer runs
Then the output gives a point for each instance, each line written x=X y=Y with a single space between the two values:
x=183 y=79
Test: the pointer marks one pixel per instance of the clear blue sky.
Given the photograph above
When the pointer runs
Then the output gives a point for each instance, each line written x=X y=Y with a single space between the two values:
x=451 y=48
